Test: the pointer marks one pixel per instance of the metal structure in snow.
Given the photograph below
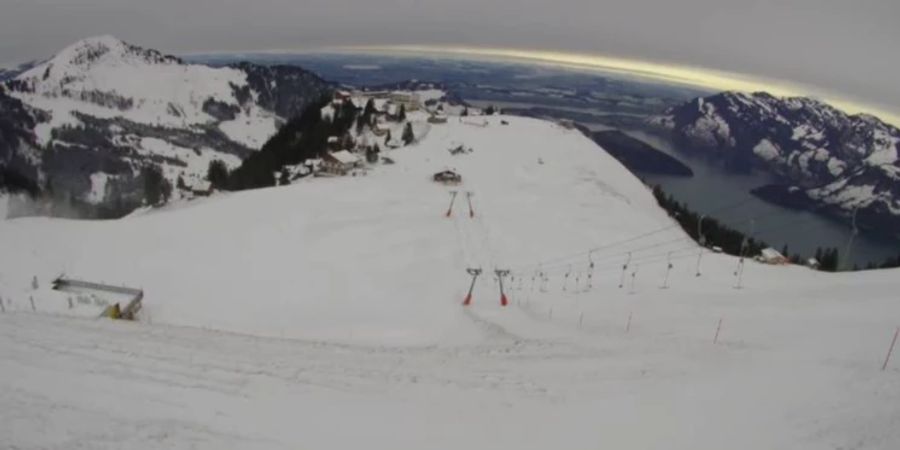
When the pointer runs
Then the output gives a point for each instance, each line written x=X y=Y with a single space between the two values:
x=452 y=201
x=633 y=277
x=624 y=271
x=739 y=271
x=474 y=273
x=590 y=275
x=702 y=240
x=853 y=232
x=500 y=275
x=669 y=267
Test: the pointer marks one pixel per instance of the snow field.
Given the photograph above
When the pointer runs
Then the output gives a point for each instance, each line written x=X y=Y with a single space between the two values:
x=327 y=314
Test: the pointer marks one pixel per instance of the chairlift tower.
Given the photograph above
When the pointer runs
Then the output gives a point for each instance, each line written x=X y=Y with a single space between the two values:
x=669 y=267
x=702 y=240
x=853 y=232
x=474 y=273
x=590 y=274
x=624 y=271
x=500 y=275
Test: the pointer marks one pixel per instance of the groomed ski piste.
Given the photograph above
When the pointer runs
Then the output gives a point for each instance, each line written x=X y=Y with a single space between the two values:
x=328 y=314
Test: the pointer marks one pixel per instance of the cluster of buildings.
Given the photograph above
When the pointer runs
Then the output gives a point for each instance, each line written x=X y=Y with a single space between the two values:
x=348 y=157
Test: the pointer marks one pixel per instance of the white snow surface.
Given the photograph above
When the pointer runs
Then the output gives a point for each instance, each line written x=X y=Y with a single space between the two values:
x=194 y=163
x=98 y=187
x=345 y=157
x=251 y=128
x=710 y=127
x=326 y=314
x=836 y=166
x=766 y=150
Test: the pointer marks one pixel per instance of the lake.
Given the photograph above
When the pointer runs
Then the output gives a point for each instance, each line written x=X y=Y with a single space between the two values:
x=711 y=188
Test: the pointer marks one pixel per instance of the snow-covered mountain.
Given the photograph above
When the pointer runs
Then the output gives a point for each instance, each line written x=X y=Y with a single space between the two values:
x=826 y=158
x=103 y=109
x=8 y=73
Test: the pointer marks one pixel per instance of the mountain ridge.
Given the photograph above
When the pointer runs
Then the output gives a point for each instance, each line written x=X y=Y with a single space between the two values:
x=841 y=162
x=101 y=111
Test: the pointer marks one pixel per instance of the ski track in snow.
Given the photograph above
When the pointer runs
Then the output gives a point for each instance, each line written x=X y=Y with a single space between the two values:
x=334 y=329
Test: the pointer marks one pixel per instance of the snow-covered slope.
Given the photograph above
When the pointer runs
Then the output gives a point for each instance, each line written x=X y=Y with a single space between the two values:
x=368 y=274
x=839 y=161
x=107 y=107
x=328 y=254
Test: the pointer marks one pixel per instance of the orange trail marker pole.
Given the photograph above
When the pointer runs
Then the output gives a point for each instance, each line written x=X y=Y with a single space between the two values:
x=718 y=329
x=887 y=358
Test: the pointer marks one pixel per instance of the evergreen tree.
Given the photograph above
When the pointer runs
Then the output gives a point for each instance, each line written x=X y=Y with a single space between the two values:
x=387 y=138
x=490 y=110
x=301 y=138
x=408 y=136
x=730 y=240
x=166 y=190
x=217 y=174
x=285 y=178
x=372 y=154
x=369 y=112
x=829 y=261
x=156 y=188
x=401 y=116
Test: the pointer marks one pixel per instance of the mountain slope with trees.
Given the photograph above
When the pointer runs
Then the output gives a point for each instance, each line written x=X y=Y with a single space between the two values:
x=830 y=161
x=88 y=125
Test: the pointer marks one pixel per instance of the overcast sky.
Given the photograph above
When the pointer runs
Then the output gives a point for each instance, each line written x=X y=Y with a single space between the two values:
x=848 y=47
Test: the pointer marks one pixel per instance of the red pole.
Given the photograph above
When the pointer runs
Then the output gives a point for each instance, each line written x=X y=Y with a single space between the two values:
x=890 y=350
